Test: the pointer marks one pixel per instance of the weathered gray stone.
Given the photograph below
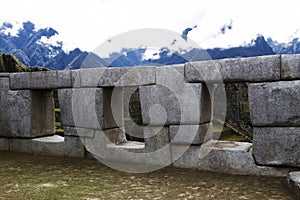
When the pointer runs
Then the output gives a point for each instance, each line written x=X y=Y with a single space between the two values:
x=26 y=113
x=182 y=104
x=104 y=150
x=190 y=134
x=223 y=157
x=4 y=145
x=277 y=146
x=90 y=77
x=50 y=146
x=275 y=104
x=290 y=67
x=41 y=80
x=75 y=76
x=173 y=74
x=4 y=89
x=79 y=132
x=255 y=69
x=91 y=107
x=134 y=130
x=121 y=77
x=116 y=136
x=293 y=180
x=73 y=147
x=157 y=145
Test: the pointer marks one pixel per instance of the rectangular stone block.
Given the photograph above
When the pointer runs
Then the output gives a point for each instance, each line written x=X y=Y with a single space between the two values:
x=49 y=146
x=157 y=145
x=190 y=134
x=180 y=104
x=102 y=148
x=170 y=75
x=4 y=89
x=275 y=104
x=74 y=147
x=277 y=146
x=4 y=145
x=41 y=80
x=290 y=67
x=223 y=157
x=120 y=77
x=254 y=69
x=91 y=107
x=26 y=113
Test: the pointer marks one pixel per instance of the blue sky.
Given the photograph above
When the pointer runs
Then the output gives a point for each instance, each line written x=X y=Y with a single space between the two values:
x=88 y=23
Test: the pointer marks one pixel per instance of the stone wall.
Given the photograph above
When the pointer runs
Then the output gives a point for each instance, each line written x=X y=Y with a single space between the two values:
x=177 y=106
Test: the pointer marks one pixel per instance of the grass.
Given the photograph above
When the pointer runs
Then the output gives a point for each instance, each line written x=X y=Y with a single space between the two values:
x=25 y=176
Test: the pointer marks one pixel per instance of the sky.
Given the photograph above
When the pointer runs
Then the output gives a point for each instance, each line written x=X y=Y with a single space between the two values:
x=88 y=23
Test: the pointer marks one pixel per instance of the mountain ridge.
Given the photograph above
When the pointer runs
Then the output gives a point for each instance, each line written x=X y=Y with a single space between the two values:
x=34 y=47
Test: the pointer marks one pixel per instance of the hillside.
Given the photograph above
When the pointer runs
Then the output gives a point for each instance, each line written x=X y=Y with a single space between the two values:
x=9 y=63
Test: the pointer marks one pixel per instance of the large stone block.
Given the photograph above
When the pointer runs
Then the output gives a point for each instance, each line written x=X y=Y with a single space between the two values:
x=4 y=89
x=74 y=147
x=41 y=80
x=93 y=108
x=254 y=69
x=223 y=157
x=170 y=75
x=190 y=134
x=26 y=113
x=121 y=77
x=181 y=104
x=290 y=67
x=4 y=145
x=157 y=145
x=50 y=146
x=275 y=104
x=277 y=146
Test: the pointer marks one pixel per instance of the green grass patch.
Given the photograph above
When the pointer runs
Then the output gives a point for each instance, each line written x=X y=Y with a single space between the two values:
x=39 y=177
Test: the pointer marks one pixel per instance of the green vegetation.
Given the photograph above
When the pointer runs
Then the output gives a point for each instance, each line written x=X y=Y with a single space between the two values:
x=35 y=177
x=9 y=63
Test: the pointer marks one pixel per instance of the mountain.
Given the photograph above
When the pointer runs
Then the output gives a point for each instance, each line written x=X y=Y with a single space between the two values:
x=38 y=47
x=292 y=47
x=134 y=57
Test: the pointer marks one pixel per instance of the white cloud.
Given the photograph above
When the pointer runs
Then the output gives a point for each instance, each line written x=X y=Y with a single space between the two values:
x=88 y=23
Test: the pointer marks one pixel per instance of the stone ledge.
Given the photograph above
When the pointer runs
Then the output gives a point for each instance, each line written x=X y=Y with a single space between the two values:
x=293 y=180
x=41 y=80
x=49 y=146
x=117 y=77
x=224 y=157
x=253 y=69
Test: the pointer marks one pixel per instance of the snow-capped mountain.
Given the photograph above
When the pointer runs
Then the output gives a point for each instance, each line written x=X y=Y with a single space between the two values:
x=38 y=47
x=41 y=47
